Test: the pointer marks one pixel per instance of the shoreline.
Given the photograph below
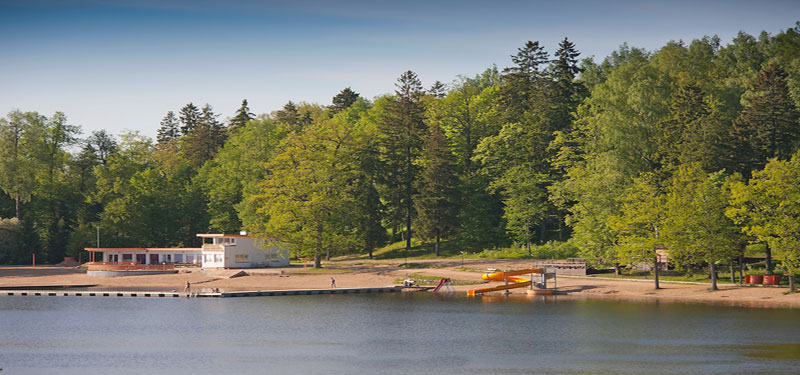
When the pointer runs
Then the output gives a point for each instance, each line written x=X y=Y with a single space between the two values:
x=379 y=274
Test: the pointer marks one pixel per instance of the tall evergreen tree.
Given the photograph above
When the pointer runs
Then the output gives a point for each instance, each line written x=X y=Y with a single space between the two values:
x=694 y=132
x=170 y=128
x=344 y=99
x=400 y=140
x=524 y=81
x=438 y=90
x=190 y=116
x=769 y=118
x=567 y=93
x=437 y=201
x=243 y=115
x=289 y=115
x=202 y=143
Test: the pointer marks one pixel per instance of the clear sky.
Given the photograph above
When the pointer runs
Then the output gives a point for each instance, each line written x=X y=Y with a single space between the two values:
x=114 y=64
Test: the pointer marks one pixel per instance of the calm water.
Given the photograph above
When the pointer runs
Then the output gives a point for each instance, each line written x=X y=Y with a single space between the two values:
x=391 y=334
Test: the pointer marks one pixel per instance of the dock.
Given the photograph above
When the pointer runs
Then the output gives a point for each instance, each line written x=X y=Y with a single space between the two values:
x=146 y=294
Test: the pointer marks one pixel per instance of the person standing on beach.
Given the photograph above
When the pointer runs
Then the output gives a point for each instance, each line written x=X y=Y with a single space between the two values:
x=333 y=282
x=188 y=287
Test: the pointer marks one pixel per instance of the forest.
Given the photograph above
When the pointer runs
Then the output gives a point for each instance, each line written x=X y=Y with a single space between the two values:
x=692 y=148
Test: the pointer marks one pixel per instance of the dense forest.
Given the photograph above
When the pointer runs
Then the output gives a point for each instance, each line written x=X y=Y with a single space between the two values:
x=692 y=147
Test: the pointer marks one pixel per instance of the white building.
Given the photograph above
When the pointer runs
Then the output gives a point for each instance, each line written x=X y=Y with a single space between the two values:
x=149 y=256
x=242 y=251
x=218 y=251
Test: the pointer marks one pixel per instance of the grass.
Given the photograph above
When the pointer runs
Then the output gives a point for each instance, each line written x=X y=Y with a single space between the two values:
x=696 y=277
x=458 y=248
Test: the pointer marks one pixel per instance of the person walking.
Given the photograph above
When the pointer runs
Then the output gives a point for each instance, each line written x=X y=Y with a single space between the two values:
x=333 y=282
x=188 y=287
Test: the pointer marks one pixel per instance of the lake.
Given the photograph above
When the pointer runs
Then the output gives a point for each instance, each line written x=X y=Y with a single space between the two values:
x=398 y=333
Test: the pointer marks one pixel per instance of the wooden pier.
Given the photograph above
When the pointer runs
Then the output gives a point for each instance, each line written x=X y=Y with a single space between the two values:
x=255 y=293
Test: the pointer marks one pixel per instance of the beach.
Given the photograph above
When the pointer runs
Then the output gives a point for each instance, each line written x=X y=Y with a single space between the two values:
x=366 y=274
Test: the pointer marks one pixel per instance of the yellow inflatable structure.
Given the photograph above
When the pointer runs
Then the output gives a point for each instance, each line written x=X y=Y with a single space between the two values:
x=512 y=279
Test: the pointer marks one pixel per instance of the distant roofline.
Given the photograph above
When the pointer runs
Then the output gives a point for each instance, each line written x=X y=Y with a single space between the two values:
x=221 y=235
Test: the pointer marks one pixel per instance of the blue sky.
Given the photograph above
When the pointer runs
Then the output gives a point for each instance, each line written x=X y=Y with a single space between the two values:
x=123 y=64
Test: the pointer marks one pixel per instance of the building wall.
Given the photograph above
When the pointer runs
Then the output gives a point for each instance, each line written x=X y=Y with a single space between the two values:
x=246 y=253
x=177 y=256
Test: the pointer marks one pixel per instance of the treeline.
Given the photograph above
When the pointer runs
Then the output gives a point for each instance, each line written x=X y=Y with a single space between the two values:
x=642 y=151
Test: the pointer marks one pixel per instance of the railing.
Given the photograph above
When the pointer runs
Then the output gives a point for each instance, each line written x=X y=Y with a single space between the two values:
x=129 y=266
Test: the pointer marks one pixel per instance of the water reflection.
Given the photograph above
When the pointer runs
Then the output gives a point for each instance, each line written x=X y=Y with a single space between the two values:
x=391 y=334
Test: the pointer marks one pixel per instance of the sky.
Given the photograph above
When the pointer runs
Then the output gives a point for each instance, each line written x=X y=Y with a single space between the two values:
x=121 y=65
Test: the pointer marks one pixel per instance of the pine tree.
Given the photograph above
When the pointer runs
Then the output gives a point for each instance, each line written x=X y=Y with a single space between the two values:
x=190 y=116
x=438 y=90
x=437 y=201
x=344 y=99
x=202 y=143
x=170 y=128
x=770 y=118
x=524 y=81
x=567 y=93
x=243 y=116
x=400 y=141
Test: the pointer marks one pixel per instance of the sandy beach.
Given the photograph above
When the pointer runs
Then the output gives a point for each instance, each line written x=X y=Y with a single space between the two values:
x=362 y=274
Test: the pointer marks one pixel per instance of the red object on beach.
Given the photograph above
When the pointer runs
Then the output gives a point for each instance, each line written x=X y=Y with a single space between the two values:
x=748 y=279
x=772 y=279
x=756 y=279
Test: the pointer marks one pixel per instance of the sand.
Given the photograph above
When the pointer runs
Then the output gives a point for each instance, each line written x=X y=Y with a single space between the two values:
x=356 y=274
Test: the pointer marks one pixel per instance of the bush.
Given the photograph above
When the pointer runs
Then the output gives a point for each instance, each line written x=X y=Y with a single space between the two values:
x=11 y=243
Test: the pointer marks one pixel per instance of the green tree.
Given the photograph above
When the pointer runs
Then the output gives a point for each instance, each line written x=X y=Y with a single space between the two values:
x=205 y=139
x=525 y=82
x=170 y=128
x=693 y=132
x=242 y=117
x=438 y=90
x=292 y=116
x=190 y=117
x=344 y=99
x=510 y=158
x=567 y=93
x=19 y=136
x=696 y=228
x=769 y=118
x=468 y=114
x=400 y=129
x=11 y=241
x=437 y=201
x=768 y=208
x=638 y=227
x=302 y=200
x=102 y=144
x=235 y=172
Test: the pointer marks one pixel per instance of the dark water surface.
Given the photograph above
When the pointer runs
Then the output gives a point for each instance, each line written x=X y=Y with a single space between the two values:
x=391 y=334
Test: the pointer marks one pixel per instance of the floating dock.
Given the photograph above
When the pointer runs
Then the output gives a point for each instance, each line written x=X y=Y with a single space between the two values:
x=256 y=293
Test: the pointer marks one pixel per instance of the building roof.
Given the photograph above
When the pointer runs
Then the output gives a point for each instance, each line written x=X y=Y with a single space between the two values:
x=143 y=249
x=221 y=235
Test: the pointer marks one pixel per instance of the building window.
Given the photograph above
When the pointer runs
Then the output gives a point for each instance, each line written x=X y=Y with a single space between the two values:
x=127 y=257
x=241 y=258
x=217 y=258
x=229 y=241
